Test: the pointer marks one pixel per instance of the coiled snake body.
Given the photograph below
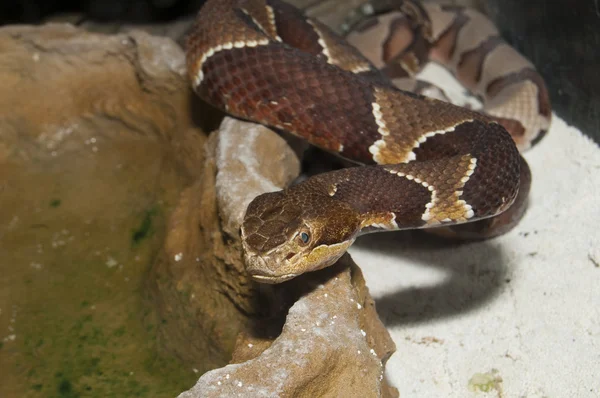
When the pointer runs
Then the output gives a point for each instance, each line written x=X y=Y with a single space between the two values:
x=428 y=163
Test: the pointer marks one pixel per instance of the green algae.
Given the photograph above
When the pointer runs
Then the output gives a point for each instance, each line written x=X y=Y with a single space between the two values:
x=144 y=229
x=75 y=316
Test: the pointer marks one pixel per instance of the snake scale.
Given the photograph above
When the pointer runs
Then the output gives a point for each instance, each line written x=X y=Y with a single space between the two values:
x=424 y=162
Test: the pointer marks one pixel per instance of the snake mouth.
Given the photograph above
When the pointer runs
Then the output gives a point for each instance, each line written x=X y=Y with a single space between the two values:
x=259 y=270
x=272 y=279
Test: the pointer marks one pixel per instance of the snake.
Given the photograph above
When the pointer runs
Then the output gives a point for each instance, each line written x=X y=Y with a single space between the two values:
x=418 y=162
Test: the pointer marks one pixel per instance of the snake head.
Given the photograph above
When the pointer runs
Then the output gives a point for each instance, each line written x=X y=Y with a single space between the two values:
x=287 y=233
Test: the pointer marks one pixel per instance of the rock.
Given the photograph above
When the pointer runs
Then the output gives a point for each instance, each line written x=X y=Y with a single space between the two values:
x=332 y=345
x=66 y=76
x=251 y=159
x=200 y=284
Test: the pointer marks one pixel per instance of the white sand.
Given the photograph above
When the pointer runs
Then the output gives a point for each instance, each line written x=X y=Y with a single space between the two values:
x=522 y=310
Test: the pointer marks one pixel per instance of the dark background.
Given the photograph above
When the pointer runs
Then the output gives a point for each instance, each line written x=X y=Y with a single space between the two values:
x=561 y=37
x=140 y=11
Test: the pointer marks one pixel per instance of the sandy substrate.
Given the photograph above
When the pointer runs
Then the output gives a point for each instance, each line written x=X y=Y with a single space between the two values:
x=516 y=316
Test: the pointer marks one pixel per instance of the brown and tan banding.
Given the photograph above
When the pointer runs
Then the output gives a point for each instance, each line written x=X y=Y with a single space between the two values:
x=470 y=46
x=428 y=163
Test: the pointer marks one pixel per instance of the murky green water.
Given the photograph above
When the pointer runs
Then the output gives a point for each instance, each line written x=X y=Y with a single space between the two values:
x=78 y=234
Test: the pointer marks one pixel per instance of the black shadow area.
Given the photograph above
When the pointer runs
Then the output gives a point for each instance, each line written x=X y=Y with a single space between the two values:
x=477 y=272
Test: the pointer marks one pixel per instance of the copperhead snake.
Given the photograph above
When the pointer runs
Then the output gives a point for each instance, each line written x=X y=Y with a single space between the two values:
x=426 y=162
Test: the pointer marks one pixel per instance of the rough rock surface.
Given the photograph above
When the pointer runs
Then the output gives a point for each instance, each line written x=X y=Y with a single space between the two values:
x=332 y=345
x=134 y=81
x=251 y=159
x=200 y=284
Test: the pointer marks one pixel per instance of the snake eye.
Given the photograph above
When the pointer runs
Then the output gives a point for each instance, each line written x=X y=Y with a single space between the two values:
x=304 y=237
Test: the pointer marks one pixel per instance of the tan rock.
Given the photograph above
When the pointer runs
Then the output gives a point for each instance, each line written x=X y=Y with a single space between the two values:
x=200 y=284
x=332 y=345
x=251 y=159
x=72 y=81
